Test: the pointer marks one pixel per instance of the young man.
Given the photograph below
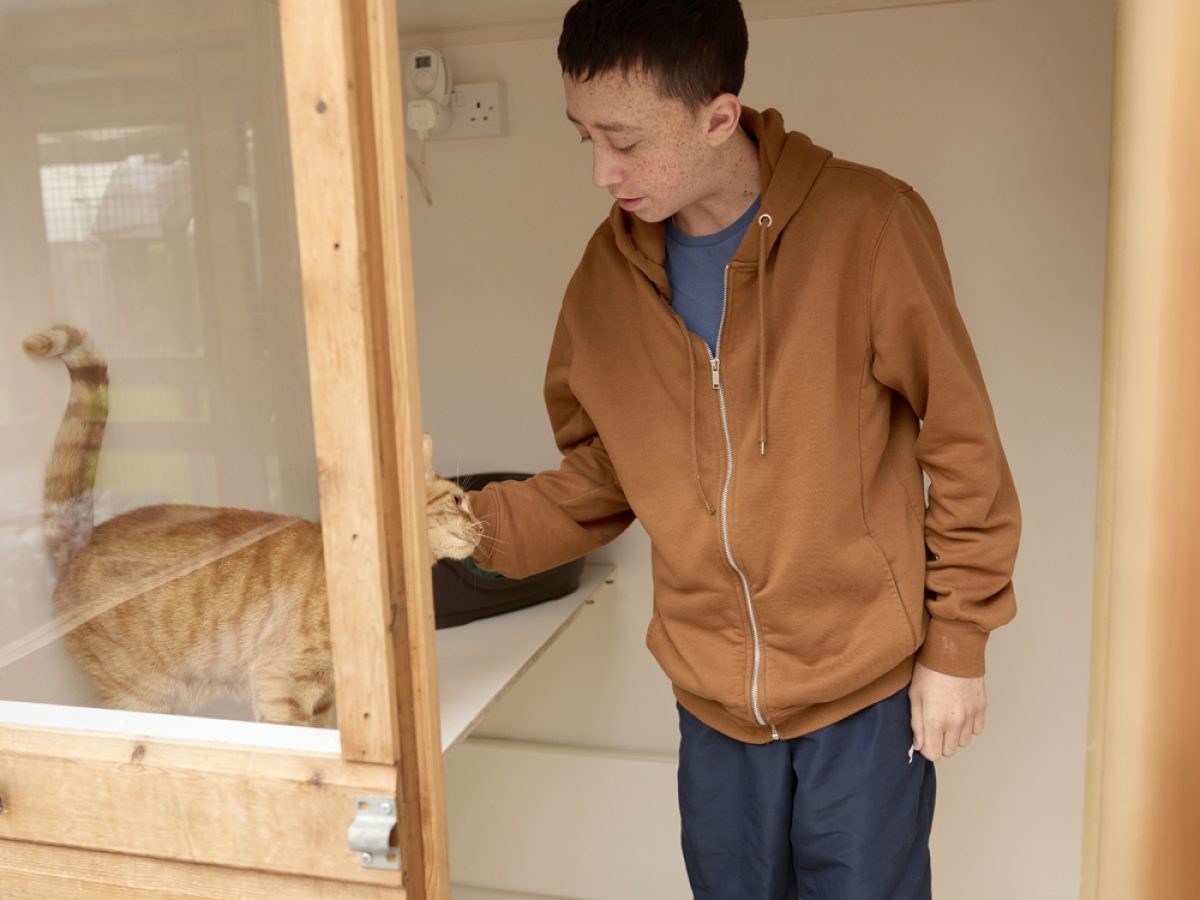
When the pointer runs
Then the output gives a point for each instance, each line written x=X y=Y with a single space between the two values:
x=757 y=357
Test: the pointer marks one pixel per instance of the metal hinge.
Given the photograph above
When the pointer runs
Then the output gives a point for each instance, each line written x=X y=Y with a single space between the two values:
x=370 y=833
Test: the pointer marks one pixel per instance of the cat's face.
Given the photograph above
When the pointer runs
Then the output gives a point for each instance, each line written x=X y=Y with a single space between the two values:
x=454 y=532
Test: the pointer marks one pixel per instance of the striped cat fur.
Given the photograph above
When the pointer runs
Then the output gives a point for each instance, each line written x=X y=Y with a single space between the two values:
x=168 y=608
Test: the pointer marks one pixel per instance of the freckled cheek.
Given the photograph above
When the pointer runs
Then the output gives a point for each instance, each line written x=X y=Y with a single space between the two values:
x=671 y=178
x=657 y=178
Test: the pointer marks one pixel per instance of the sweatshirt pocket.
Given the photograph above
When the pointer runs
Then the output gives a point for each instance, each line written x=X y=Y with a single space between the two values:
x=894 y=584
x=653 y=627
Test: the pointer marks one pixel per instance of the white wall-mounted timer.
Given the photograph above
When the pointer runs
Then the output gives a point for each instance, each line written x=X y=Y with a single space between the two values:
x=427 y=83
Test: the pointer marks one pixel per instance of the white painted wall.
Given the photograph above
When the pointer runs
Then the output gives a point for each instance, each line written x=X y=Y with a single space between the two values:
x=997 y=111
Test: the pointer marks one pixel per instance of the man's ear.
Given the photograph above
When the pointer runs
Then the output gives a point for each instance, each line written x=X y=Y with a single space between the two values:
x=722 y=115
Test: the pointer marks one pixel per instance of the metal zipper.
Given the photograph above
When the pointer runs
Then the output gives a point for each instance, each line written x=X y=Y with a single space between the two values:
x=714 y=362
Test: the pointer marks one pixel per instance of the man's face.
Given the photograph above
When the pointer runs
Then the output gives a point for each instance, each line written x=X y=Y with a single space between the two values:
x=648 y=151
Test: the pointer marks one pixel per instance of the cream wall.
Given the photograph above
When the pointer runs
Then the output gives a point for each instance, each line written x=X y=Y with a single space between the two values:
x=997 y=111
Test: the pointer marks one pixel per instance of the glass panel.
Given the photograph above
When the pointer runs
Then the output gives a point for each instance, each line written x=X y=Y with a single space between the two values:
x=145 y=196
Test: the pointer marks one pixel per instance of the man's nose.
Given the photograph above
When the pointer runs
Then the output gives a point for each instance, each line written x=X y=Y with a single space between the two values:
x=605 y=171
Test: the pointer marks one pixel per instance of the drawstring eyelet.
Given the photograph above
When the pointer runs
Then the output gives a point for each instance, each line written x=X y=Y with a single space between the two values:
x=765 y=220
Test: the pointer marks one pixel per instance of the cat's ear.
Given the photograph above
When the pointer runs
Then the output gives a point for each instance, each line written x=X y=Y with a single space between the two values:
x=427 y=447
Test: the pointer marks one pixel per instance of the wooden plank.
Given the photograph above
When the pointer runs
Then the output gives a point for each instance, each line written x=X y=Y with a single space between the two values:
x=1142 y=815
x=270 y=810
x=423 y=832
x=351 y=103
x=334 y=232
x=38 y=872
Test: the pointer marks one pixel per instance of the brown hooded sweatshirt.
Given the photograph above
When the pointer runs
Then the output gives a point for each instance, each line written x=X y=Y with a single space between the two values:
x=798 y=568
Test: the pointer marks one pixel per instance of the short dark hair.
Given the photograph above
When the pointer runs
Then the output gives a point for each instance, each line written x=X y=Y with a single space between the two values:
x=695 y=49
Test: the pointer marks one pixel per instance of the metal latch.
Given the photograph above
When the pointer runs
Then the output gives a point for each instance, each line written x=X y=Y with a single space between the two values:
x=370 y=833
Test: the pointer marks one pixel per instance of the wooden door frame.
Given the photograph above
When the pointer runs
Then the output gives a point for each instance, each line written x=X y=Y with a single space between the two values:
x=345 y=116
x=134 y=816
x=1142 y=817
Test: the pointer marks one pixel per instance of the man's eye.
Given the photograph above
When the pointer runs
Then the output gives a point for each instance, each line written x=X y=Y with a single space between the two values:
x=626 y=148
x=584 y=139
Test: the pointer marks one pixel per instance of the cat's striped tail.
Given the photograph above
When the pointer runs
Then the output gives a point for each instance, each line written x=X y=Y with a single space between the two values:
x=71 y=475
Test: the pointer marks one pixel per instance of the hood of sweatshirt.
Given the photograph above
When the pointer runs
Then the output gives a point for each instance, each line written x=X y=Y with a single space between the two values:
x=789 y=164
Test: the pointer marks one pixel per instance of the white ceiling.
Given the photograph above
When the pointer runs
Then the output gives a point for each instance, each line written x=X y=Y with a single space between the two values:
x=443 y=22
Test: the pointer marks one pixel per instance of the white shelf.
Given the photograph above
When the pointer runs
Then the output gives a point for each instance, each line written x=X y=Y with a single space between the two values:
x=477 y=664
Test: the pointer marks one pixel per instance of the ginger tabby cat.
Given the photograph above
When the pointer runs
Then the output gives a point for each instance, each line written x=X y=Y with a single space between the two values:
x=169 y=607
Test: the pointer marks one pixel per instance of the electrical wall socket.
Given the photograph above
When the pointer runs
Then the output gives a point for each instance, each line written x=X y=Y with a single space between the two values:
x=477 y=112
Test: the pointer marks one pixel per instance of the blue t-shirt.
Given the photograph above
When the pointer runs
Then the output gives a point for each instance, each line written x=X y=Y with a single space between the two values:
x=696 y=270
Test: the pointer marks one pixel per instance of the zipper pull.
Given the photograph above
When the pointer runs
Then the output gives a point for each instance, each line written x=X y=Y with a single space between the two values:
x=716 y=372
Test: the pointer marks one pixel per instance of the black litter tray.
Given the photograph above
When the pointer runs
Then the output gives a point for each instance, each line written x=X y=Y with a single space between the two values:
x=462 y=593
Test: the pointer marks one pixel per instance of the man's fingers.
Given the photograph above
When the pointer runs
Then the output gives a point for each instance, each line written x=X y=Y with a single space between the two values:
x=949 y=741
x=947 y=712
x=916 y=722
x=952 y=729
x=934 y=747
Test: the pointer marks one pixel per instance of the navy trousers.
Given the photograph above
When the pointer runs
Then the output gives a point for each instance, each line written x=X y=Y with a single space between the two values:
x=838 y=814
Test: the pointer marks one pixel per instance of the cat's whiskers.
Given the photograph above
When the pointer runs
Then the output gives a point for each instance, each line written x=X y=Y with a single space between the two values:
x=492 y=541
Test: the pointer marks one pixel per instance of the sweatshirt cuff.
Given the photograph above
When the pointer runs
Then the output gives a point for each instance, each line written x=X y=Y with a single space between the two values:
x=953 y=648
x=488 y=513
